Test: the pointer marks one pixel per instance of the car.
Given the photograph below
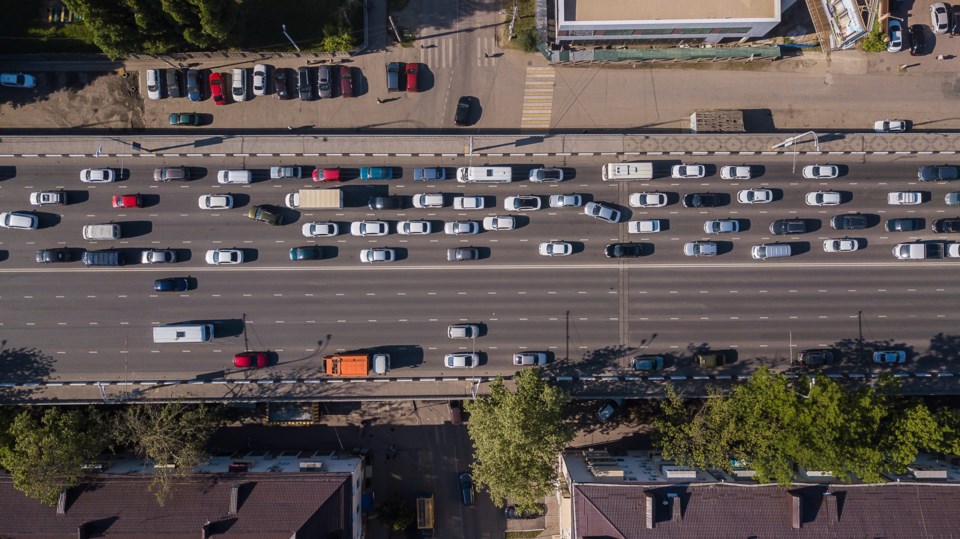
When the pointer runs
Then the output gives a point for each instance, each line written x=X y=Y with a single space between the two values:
x=320 y=229
x=464 y=109
x=721 y=226
x=193 y=85
x=623 y=250
x=429 y=174
x=369 y=228
x=949 y=225
x=555 y=248
x=218 y=88
x=823 y=198
x=167 y=174
x=97 y=175
x=601 y=212
x=850 y=221
x=381 y=363
x=153 y=84
x=428 y=200
x=158 y=256
x=608 y=408
x=789 y=226
x=952 y=199
x=955 y=27
x=457 y=254
x=463 y=331
x=459 y=228
x=905 y=198
x=644 y=226
x=894 y=35
x=713 y=358
x=910 y=224
x=525 y=359
x=324 y=88
x=239 y=86
x=178 y=119
x=647 y=200
x=49 y=256
x=19 y=220
x=127 y=201
x=305 y=84
x=816 y=356
x=215 y=202
x=266 y=214
x=260 y=79
x=280 y=83
x=251 y=360
x=917 y=44
x=346 y=81
x=566 y=201
x=821 y=172
x=700 y=248
x=889 y=356
x=754 y=196
x=455 y=407
x=412 y=69
x=377 y=255
x=522 y=203
x=376 y=173
x=938 y=173
x=385 y=203
x=46 y=198
x=889 y=126
x=688 y=171
x=952 y=250
x=841 y=245
x=414 y=228
x=219 y=257
x=17 y=80
x=393 y=77
x=286 y=171
x=171 y=284
x=310 y=252
x=939 y=18
x=499 y=222
x=647 y=363
x=461 y=360
x=326 y=174
x=701 y=200
x=738 y=172
x=546 y=175
x=468 y=203
x=241 y=176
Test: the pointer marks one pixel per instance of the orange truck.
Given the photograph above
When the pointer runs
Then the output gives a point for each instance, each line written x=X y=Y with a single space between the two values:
x=351 y=364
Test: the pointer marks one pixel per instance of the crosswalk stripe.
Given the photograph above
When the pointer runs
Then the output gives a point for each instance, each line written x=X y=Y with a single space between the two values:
x=538 y=90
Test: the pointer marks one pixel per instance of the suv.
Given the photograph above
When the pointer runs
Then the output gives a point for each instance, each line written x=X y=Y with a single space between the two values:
x=266 y=214
x=937 y=173
x=305 y=84
x=949 y=225
x=170 y=174
x=789 y=226
x=848 y=222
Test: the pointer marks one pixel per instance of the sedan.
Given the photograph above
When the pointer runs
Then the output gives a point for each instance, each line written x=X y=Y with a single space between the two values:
x=184 y=118
x=461 y=361
x=280 y=83
x=97 y=175
x=218 y=89
x=172 y=284
x=890 y=356
x=566 y=201
x=555 y=248
x=821 y=172
x=466 y=488
x=895 y=33
x=688 y=171
x=219 y=257
x=721 y=226
x=816 y=357
x=47 y=256
x=373 y=256
x=311 y=252
x=700 y=248
x=823 y=198
x=950 y=225
x=601 y=212
x=499 y=222
x=193 y=85
x=158 y=256
x=538 y=359
x=239 y=87
x=939 y=18
x=931 y=173
x=19 y=220
x=522 y=203
x=414 y=228
x=701 y=200
x=541 y=175
x=153 y=84
x=789 y=226
x=468 y=203
x=951 y=199
x=17 y=80
x=754 y=196
x=889 y=126
x=215 y=202
x=910 y=224
x=464 y=108
x=623 y=250
x=841 y=245
x=460 y=228
x=259 y=79
x=369 y=228
x=459 y=254
x=741 y=172
x=917 y=41
x=254 y=360
x=412 y=69
x=320 y=229
x=643 y=226
x=853 y=221
x=127 y=201
x=647 y=200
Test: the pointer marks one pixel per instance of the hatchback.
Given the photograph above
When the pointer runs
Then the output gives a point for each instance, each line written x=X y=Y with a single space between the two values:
x=260 y=79
x=608 y=408
x=412 y=69
x=248 y=360
x=541 y=175
x=128 y=201
x=461 y=361
x=218 y=89
x=499 y=222
x=601 y=212
x=239 y=86
x=326 y=174
x=346 y=81
x=305 y=84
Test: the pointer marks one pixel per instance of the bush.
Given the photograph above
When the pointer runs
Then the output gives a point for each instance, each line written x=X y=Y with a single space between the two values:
x=527 y=40
x=876 y=41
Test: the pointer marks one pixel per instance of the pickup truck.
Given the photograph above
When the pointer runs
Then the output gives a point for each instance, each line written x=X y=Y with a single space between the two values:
x=918 y=251
x=904 y=198
x=45 y=198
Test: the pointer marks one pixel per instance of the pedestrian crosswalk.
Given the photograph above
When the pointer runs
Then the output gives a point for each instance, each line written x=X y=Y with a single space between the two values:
x=538 y=98
x=486 y=51
x=438 y=53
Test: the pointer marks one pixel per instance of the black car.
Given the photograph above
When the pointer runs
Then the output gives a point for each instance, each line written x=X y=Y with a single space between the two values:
x=385 y=203
x=305 y=84
x=313 y=252
x=789 y=226
x=280 y=83
x=817 y=356
x=464 y=108
x=848 y=222
x=171 y=284
x=955 y=28
x=623 y=250
x=950 y=225
x=916 y=40
x=701 y=200
x=910 y=224
x=466 y=488
x=932 y=173
x=46 y=256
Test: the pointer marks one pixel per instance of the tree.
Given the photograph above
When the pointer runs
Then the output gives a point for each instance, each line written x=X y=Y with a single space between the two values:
x=49 y=451
x=396 y=513
x=517 y=437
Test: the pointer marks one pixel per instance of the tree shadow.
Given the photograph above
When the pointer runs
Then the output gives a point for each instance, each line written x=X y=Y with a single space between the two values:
x=20 y=366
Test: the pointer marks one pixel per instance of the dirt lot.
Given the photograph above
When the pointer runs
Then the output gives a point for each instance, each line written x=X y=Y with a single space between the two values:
x=71 y=99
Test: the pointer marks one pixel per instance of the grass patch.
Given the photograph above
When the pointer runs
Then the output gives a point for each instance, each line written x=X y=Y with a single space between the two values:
x=264 y=19
x=26 y=30
x=525 y=36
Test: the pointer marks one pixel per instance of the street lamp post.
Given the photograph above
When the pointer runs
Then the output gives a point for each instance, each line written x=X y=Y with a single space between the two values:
x=283 y=28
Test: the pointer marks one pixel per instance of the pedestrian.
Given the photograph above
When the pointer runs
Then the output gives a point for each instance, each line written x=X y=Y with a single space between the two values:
x=180 y=65
x=290 y=128
x=486 y=55
x=379 y=101
x=939 y=57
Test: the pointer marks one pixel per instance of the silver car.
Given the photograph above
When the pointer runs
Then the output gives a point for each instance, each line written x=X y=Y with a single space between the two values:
x=566 y=201
x=700 y=248
x=459 y=254
x=601 y=212
x=499 y=222
x=721 y=226
x=158 y=256
x=461 y=361
x=369 y=228
x=540 y=175
x=19 y=220
x=97 y=175
x=530 y=358
x=373 y=256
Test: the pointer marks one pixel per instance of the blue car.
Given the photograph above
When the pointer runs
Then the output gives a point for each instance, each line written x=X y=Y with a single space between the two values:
x=193 y=85
x=376 y=173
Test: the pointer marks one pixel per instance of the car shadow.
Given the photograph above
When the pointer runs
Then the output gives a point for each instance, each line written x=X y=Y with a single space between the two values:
x=724 y=247
x=149 y=201
x=135 y=229
x=798 y=247
x=47 y=220
x=7 y=173
x=427 y=80
x=240 y=200
x=76 y=197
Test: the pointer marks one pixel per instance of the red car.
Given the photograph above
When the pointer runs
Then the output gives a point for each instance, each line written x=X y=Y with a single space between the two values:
x=412 y=77
x=326 y=174
x=218 y=88
x=254 y=360
x=346 y=82
x=127 y=201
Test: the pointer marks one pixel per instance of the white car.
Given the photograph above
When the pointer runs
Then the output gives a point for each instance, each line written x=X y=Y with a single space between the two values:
x=218 y=257
x=468 y=203
x=459 y=228
x=700 y=248
x=905 y=198
x=721 y=226
x=895 y=33
x=647 y=200
x=841 y=245
x=823 y=198
x=821 y=172
x=17 y=80
x=952 y=250
x=754 y=196
x=566 y=201
x=890 y=126
x=373 y=256
x=414 y=228
x=688 y=171
x=601 y=212
x=738 y=172
x=939 y=18
x=429 y=200
x=215 y=202
x=19 y=220
x=97 y=175
x=153 y=84
x=540 y=175
x=522 y=203
x=499 y=222
x=239 y=80
x=461 y=361
x=952 y=199
x=369 y=228
x=158 y=256
x=643 y=226
x=260 y=79
x=555 y=248
x=46 y=198
x=320 y=229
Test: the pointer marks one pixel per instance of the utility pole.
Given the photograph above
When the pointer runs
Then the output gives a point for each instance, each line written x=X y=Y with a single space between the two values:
x=283 y=28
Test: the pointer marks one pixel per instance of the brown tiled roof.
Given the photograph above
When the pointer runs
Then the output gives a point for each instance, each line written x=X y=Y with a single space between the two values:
x=271 y=506
x=889 y=511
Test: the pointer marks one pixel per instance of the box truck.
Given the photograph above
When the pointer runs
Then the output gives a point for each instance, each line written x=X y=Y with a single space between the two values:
x=349 y=364
x=315 y=199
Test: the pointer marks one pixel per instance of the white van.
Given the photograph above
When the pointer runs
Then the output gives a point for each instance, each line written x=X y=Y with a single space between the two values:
x=234 y=176
x=101 y=232
x=613 y=172
x=183 y=333
x=485 y=174
x=771 y=250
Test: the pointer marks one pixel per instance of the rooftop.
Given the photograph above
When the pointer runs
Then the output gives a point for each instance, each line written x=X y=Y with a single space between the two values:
x=667 y=10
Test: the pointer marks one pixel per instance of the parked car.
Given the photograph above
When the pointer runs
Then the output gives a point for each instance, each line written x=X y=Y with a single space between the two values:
x=305 y=84
x=18 y=80
x=608 y=408
x=193 y=85
x=939 y=18
x=324 y=86
x=239 y=86
x=461 y=360
x=816 y=357
x=280 y=83
x=153 y=84
x=889 y=356
x=346 y=82
x=890 y=126
x=895 y=35
x=393 y=77
x=647 y=363
x=917 y=44
x=218 y=88
x=412 y=69
x=713 y=358
x=260 y=79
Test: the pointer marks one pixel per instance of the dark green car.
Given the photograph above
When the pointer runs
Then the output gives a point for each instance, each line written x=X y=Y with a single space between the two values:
x=306 y=253
x=266 y=214
x=184 y=118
